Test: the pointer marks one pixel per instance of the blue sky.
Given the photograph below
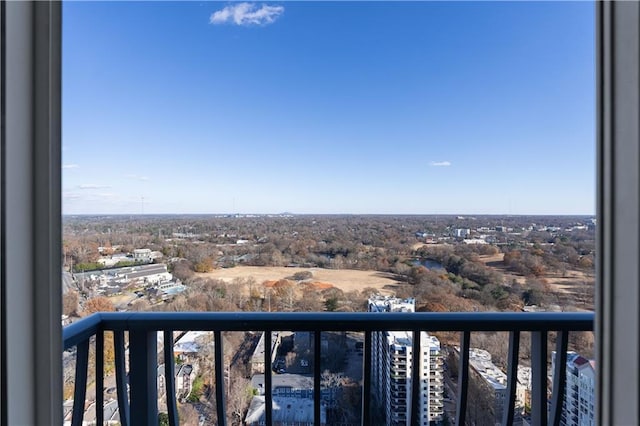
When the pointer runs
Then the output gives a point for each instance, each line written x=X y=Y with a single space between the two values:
x=385 y=107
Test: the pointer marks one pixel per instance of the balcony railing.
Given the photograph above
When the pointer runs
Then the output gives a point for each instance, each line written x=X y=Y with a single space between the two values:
x=138 y=404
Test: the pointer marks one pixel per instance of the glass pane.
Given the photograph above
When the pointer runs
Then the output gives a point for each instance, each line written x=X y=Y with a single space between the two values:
x=335 y=157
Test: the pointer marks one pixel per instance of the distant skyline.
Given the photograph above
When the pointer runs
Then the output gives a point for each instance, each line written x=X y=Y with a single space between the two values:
x=322 y=108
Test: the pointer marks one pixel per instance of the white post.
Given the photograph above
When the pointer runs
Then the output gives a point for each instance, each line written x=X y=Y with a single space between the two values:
x=618 y=249
x=30 y=356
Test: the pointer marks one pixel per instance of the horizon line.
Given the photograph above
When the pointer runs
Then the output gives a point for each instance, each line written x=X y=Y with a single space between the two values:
x=330 y=214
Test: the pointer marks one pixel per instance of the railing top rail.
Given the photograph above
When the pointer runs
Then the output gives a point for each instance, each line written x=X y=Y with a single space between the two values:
x=78 y=331
x=324 y=321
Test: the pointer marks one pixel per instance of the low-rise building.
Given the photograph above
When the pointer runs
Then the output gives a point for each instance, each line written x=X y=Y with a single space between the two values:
x=141 y=255
x=257 y=359
x=462 y=232
x=488 y=384
x=118 y=278
x=191 y=343
x=286 y=385
x=171 y=288
x=285 y=412
x=144 y=274
x=185 y=374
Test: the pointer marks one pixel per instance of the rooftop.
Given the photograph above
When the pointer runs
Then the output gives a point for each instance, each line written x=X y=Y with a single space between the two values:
x=380 y=303
x=293 y=381
x=405 y=338
x=192 y=342
x=258 y=353
x=480 y=360
x=285 y=409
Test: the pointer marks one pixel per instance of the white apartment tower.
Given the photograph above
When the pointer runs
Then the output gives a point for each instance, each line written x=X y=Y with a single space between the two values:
x=579 y=396
x=391 y=359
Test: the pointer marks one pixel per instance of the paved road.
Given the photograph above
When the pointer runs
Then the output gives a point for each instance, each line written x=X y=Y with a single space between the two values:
x=353 y=367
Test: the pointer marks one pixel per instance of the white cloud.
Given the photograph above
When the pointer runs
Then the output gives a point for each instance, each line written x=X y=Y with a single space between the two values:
x=247 y=14
x=70 y=166
x=71 y=195
x=90 y=196
x=440 y=163
x=137 y=177
x=93 y=186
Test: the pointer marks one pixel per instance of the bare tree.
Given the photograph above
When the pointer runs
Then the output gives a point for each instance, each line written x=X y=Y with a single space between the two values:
x=238 y=397
x=70 y=303
x=188 y=415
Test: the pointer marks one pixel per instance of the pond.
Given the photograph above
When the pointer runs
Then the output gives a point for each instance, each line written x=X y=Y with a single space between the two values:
x=429 y=264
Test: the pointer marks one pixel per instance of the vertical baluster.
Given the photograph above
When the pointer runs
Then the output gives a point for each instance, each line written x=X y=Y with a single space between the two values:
x=317 y=369
x=268 y=399
x=80 y=391
x=170 y=377
x=416 y=378
x=559 y=377
x=463 y=378
x=539 y=378
x=512 y=377
x=220 y=395
x=100 y=377
x=143 y=377
x=366 y=385
x=121 y=379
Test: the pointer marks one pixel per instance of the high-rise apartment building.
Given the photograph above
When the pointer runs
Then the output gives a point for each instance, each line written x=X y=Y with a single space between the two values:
x=578 y=408
x=391 y=361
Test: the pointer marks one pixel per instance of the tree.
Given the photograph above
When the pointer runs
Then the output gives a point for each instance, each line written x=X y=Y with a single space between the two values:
x=284 y=292
x=70 y=303
x=238 y=397
x=586 y=262
x=302 y=275
x=202 y=256
x=311 y=300
x=163 y=419
x=331 y=304
x=103 y=304
x=80 y=250
x=237 y=291
x=188 y=415
x=98 y=304
x=183 y=270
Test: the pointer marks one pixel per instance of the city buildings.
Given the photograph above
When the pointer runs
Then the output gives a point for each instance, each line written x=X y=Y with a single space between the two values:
x=462 y=232
x=488 y=384
x=578 y=408
x=115 y=279
x=391 y=360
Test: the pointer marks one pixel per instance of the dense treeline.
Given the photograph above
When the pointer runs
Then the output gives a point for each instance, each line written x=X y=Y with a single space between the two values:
x=355 y=242
x=286 y=295
x=388 y=244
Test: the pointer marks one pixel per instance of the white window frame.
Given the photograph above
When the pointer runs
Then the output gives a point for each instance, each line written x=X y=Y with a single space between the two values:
x=30 y=228
x=618 y=212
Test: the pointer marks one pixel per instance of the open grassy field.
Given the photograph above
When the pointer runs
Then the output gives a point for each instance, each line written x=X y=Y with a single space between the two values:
x=559 y=283
x=344 y=279
x=575 y=285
